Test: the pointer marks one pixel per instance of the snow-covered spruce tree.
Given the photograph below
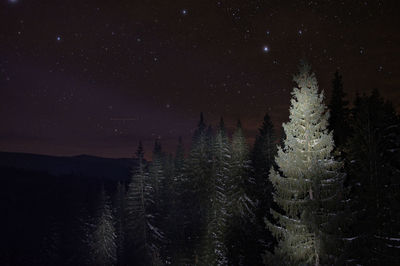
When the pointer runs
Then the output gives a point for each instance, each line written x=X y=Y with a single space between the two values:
x=173 y=227
x=167 y=211
x=215 y=251
x=194 y=196
x=308 y=182
x=119 y=203
x=240 y=206
x=142 y=236
x=103 y=242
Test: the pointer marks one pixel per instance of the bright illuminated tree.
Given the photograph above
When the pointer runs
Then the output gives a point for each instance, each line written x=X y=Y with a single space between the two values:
x=307 y=183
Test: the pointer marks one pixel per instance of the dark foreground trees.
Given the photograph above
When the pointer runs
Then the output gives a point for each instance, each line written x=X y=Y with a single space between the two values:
x=209 y=207
x=373 y=159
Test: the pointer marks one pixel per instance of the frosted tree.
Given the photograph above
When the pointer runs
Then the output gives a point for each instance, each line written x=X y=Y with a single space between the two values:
x=240 y=206
x=120 y=221
x=142 y=234
x=215 y=252
x=307 y=184
x=103 y=242
x=195 y=177
x=174 y=219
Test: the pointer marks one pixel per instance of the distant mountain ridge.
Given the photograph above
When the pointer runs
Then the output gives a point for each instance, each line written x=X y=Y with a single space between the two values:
x=81 y=165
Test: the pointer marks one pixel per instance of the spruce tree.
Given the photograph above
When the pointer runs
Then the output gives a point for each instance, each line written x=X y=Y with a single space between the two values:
x=373 y=156
x=339 y=112
x=103 y=242
x=240 y=206
x=262 y=158
x=176 y=215
x=167 y=206
x=120 y=222
x=143 y=237
x=215 y=250
x=307 y=183
x=194 y=197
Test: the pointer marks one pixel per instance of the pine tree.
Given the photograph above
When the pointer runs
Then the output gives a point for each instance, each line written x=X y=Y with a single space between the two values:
x=215 y=250
x=240 y=203
x=307 y=183
x=103 y=242
x=175 y=218
x=120 y=222
x=262 y=158
x=339 y=112
x=240 y=206
x=373 y=155
x=143 y=236
x=194 y=197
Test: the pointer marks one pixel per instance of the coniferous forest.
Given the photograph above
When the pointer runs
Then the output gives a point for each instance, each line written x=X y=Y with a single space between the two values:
x=199 y=133
x=325 y=193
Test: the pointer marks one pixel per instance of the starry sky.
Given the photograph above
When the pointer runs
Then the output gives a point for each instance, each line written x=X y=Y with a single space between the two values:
x=95 y=77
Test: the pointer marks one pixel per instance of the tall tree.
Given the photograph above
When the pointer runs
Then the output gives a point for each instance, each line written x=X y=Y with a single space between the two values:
x=196 y=176
x=240 y=206
x=120 y=222
x=143 y=236
x=307 y=183
x=215 y=250
x=240 y=203
x=177 y=215
x=262 y=158
x=103 y=242
x=339 y=112
x=373 y=155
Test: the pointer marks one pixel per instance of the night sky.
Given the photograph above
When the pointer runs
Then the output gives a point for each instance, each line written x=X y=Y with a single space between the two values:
x=95 y=77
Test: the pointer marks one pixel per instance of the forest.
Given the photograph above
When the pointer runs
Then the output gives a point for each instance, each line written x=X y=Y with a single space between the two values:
x=326 y=192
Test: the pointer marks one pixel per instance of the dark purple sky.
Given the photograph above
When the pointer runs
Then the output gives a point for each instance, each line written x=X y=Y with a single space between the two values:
x=95 y=77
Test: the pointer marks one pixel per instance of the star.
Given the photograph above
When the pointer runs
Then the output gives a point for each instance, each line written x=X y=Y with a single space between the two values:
x=58 y=38
x=265 y=49
x=184 y=12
